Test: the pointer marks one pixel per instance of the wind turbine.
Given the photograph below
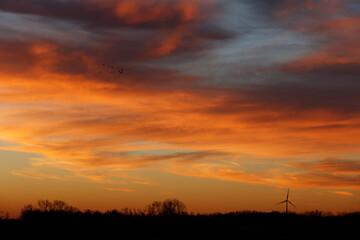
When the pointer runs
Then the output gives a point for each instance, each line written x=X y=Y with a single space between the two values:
x=286 y=202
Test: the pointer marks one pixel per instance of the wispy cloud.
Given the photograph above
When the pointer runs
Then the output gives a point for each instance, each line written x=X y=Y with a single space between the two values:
x=120 y=190
x=334 y=165
x=34 y=173
x=343 y=193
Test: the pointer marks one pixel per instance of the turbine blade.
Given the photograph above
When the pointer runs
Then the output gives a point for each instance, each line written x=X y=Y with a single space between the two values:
x=292 y=204
x=281 y=202
x=287 y=196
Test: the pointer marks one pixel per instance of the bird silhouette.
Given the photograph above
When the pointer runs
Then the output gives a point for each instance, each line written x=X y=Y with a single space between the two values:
x=114 y=68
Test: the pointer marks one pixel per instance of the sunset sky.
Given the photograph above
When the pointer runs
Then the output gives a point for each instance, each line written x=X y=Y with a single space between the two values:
x=227 y=104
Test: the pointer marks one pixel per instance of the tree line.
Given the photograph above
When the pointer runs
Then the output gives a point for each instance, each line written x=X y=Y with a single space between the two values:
x=168 y=218
x=168 y=207
x=59 y=210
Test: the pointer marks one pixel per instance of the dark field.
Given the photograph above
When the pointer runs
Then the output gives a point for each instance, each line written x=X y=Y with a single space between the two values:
x=237 y=225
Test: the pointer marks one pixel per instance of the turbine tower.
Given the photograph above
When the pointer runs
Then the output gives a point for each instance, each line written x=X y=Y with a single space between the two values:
x=286 y=202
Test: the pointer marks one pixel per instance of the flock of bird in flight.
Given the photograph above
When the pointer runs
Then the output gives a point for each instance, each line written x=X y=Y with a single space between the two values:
x=114 y=69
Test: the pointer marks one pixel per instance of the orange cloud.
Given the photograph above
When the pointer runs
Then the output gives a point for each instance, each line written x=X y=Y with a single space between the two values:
x=338 y=50
x=162 y=12
x=34 y=173
x=175 y=19
x=316 y=180
x=291 y=7
x=340 y=55
x=218 y=171
x=120 y=190
x=160 y=27
x=343 y=193
x=334 y=165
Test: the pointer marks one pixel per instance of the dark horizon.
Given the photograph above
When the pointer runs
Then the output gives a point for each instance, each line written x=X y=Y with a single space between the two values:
x=174 y=222
x=179 y=208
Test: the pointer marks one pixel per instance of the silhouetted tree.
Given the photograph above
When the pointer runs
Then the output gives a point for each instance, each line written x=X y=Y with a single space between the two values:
x=167 y=207
x=27 y=208
x=59 y=205
x=154 y=208
x=44 y=205
x=173 y=207
x=126 y=211
x=314 y=213
x=71 y=209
